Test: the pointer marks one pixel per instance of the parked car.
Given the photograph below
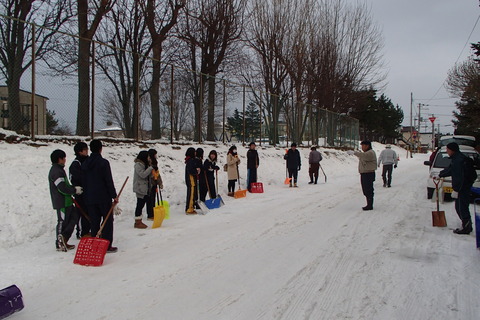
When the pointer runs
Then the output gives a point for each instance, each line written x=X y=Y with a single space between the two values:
x=459 y=139
x=442 y=161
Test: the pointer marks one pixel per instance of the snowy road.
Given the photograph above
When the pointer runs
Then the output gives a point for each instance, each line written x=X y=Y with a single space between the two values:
x=290 y=253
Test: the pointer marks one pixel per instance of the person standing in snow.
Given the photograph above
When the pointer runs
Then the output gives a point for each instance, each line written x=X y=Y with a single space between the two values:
x=390 y=161
x=463 y=175
x=252 y=165
x=314 y=159
x=61 y=192
x=99 y=192
x=141 y=187
x=232 y=169
x=192 y=170
x=75 y=171
x=293 y=163
x=367 y=164
x=155 y=181
x=210 y=168
x=201 y=175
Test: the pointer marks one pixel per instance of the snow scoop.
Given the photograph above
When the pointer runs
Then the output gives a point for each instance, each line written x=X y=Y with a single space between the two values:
x=211 y=203
x=200 y=203
x=287 y=179
x=91 y=251
x=216 y=185
x=10 y=301
x=438 y=217
x=256 y=187
x=159 y=212
x=477 y=220
x=239 y=193
x=323 y=172
x=165 y=204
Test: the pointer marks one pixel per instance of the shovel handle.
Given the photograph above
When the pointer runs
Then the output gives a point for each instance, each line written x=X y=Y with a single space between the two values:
x=99 y=233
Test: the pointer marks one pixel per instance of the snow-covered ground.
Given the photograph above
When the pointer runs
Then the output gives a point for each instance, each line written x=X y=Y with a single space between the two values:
x=289 y=253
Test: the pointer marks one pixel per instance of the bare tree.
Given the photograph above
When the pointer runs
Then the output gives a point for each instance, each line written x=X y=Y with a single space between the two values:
x=89 y=18
x=160 y=17
x=462 y=77
x=17 y=39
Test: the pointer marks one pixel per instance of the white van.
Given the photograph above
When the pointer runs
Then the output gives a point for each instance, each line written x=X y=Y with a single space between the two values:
x=460 y=140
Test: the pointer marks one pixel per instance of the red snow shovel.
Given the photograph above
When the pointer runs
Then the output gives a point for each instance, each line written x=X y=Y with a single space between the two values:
x=438 y=217
x=91 y=251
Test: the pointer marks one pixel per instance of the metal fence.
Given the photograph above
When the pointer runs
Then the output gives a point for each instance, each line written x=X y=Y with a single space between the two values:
x=192 y=106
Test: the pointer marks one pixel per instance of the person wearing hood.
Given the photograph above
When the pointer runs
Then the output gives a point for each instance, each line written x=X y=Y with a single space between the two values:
x=99 y=192
x=141 y=187
x=390 y=161
x=253 y=162
x=75 y=171
x=232 y=169
x=192 y=170
x=210 y=168
x=61 y=192
x=367 y=164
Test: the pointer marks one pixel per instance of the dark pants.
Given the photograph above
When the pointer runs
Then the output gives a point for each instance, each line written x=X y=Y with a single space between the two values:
x=293 y=173
x=387 y=174
x=462 y=204
x=153 y=198
x=313 y=171
x=97 y=213
x=203 y=189
x=66 y=220
x=192 y=195
x=367 y=180
x=211 y=186
x=83 y=225
x=231 y=185
x=251 y=177
x=141 y=203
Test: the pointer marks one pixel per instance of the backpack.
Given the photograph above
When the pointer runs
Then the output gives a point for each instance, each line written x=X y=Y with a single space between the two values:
x=469 y=170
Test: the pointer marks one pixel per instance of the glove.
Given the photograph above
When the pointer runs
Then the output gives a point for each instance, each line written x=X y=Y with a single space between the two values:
x=78 y=190
x=454 y=195
x=117 y=211
x=350 y=152
x=395 y=166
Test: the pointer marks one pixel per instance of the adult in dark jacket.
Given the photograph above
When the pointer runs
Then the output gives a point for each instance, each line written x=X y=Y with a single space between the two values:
x=75 y=170
x=461 y=185
x=252 y=164
x=61 y=194
x=314 y=159
x=294 y=163
x=192 y=170
x=210 y=168
x=99 y=192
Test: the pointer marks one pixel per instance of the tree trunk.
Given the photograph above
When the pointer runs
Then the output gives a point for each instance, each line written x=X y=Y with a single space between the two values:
x=211 y=109
x=155 y=92
x=83 y=110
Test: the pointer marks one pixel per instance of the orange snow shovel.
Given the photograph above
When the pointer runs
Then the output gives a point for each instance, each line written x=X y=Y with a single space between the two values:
x=91 y=251
x=438 y=217
x=239 y=193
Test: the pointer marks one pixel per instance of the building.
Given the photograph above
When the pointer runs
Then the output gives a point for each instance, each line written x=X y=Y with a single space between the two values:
x=40 y=121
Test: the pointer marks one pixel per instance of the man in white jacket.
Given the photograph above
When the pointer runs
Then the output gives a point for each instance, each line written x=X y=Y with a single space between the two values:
x=390 y=160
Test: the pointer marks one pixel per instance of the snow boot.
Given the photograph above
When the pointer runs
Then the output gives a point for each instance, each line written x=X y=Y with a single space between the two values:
x=369 y=205
x=466 y=228
x=295 y=185
x=61 y=245
x=290 y=184
x=231 y=194
x=139 y=224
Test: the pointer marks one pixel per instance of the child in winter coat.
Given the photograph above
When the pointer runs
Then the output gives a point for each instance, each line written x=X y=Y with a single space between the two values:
x=192 y=169
x=141 y=187
x=252 y=164
x=61 y=194
x=293 y=163
x=232 y=169
x=210 y=168
x=75 y=170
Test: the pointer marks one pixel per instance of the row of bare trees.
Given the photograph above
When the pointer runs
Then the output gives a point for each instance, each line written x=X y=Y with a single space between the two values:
x=307 y=55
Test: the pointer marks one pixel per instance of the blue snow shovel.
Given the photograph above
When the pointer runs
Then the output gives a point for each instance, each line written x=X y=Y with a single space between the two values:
x=212 y=203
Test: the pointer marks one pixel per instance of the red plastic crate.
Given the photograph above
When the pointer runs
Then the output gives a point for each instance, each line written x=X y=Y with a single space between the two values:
x=256 y=187
x=91 y=251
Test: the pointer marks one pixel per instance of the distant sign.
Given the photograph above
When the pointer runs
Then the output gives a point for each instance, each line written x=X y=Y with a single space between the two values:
x=432 y=119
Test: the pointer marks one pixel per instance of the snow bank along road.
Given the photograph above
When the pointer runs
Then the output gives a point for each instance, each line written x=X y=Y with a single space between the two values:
x=299 y=253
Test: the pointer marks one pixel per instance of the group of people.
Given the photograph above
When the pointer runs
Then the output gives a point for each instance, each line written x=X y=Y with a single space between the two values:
x=92 y=190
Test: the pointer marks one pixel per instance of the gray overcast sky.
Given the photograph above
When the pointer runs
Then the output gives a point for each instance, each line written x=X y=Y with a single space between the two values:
x=423 y=40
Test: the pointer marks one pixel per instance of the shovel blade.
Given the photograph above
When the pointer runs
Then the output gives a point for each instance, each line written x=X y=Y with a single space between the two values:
x=438 y=219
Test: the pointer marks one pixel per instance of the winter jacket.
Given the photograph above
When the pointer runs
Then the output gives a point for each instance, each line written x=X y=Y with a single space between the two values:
x=141 y=179
x=252 y=159
x=156 y=179
x=456 y=170
x=232 y=163
x=293 y=159
x=98 y=187
x=75 y=170
x=387 y=156
x=314 y=157
x=191 y=165
x=367 y=161
x=209 y=167
x=60 y=189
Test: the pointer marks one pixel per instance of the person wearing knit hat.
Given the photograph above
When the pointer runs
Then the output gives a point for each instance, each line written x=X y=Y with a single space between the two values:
x=461 y=184
x=390 y=160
